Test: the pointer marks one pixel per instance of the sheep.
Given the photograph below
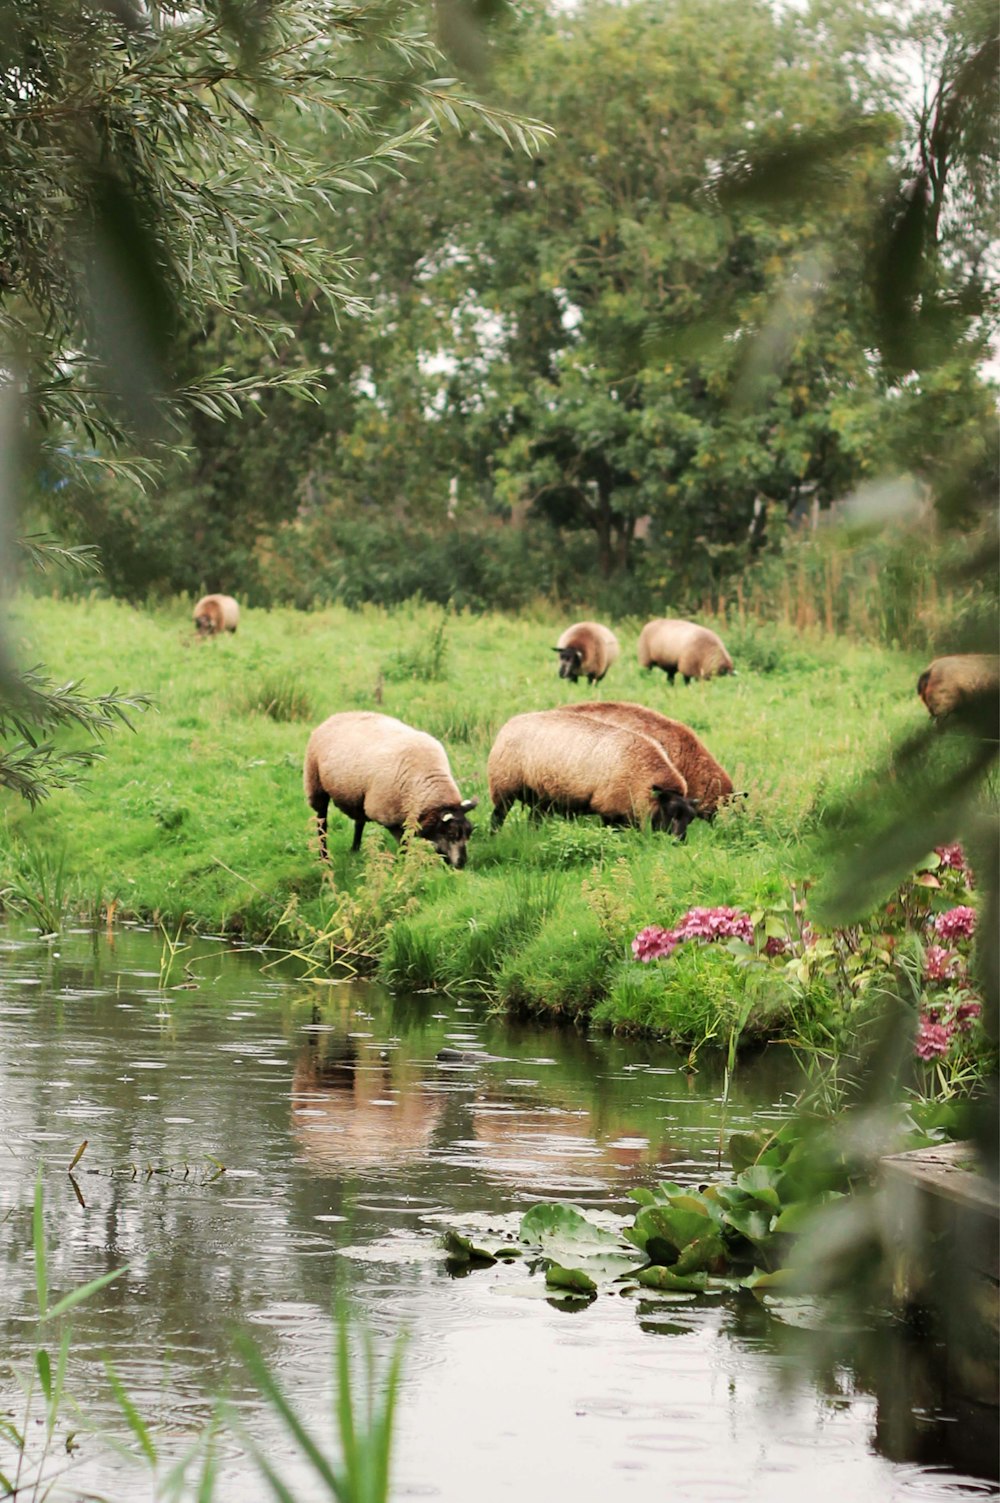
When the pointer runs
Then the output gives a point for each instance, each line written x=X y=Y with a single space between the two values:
x=376 y=768
x=558 y=762
x=587 y=647
x=683 y=647
x=215 y=613
x=708 y=784
x=957 y=682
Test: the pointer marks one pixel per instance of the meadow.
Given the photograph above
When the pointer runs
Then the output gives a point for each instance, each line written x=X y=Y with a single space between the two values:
x=198 y=818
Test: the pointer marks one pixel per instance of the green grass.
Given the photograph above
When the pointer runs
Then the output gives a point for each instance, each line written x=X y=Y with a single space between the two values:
x=200 y=816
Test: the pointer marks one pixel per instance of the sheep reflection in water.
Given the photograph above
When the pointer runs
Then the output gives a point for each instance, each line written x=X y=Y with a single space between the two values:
x=352 y=1110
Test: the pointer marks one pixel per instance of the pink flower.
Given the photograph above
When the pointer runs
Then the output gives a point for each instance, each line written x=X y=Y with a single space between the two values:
x=653 y=943
x=957 y=923
x=966 y=1014
x=775 y=946
x=715 y=923
x=940 y=964
x=933 y=1039
x=952 y=856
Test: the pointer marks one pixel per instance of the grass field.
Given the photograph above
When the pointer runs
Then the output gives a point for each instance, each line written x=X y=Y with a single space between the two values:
x=199 y=817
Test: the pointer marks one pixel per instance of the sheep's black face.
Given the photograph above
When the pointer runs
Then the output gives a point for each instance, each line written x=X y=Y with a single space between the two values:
x=449 y=832
x=673 y=812
x=570 y=659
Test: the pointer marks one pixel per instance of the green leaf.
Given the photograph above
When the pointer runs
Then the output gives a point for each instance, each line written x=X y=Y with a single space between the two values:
x=77 y=1296
x=44 y=1372
x=760 y=1181
x=461 y=1250
x=666 y=1278
x=704 y=1253
x=569 y=1278
x=744 y=1149
x=132 y=1416
x=751 y=1222
x=553 y=1224
x=38 y=1239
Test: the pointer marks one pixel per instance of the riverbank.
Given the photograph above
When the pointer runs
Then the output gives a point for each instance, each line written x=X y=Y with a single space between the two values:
x=198 y=819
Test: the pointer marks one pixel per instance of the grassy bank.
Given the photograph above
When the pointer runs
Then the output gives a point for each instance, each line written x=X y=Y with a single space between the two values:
x=199 y=817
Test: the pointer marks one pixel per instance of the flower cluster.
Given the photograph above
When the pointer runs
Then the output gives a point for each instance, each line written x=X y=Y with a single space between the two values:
x=957 y=923
x=655 y=943
x=941 y=964
x=952 y=857
x=940 y=1025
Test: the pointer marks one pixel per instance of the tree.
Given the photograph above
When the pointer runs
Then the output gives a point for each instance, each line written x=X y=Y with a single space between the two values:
x=151 y=195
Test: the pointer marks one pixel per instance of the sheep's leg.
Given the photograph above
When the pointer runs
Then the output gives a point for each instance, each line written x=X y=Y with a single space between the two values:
x=500 y=811
x=359 y=830
x=671 y=675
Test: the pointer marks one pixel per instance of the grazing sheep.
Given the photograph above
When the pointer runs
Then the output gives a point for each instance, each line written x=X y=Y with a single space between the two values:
x=215 y=613
x=708 y=784
x=683 y=647
x=587 y=647
x=376 y=768
x=951 y=683
x=558 y=762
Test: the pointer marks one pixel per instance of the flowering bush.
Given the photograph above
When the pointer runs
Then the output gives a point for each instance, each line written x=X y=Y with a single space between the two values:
x=654 y=943
x=848 y=961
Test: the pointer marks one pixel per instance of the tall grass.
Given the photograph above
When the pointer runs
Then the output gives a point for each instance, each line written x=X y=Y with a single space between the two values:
x=33 y=1456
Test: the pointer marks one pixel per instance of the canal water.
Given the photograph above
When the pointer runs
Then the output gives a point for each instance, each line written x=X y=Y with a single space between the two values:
x=257 y=1143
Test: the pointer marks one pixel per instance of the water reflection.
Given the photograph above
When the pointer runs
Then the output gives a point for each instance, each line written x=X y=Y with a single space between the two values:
x=346 y=1119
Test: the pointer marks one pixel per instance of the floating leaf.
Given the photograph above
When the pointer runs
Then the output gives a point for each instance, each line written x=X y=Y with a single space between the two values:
x=557 y=1277
x=461 y=1250
x=665 y=1278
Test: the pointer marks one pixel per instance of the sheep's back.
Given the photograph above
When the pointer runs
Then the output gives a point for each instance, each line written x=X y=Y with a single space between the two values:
x=375 y=764
x=578 y=763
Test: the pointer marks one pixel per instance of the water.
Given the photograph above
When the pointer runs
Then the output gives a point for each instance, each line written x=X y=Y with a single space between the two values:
x=255 y=1142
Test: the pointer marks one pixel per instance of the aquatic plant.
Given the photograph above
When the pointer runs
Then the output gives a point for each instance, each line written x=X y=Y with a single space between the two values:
x=30 y=1473
x=364 y=1419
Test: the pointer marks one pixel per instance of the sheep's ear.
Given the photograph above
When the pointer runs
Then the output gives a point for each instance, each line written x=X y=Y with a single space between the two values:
x=446 y=817
x=558 y=649
x=468 y=803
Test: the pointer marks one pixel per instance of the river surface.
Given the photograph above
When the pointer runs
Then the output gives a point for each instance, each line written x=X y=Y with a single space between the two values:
x=257 y=1143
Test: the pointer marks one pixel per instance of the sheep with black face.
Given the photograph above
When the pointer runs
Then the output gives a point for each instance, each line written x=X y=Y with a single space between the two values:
x=216 y=613
x=375 y=768
x=586 y=648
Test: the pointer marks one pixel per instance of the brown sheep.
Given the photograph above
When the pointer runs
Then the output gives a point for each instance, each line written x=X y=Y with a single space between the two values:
x=376 y=768
x=956 y=682
x=683 y=647
x=215 y=613
x=558 y=762
x=587 y=647
x=708 y=784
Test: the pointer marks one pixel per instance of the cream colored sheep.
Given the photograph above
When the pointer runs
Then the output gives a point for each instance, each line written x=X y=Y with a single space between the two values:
x=586 y=647
x=683 y=647
x=951 y=683
x=215 y=613
x=376 y=768
x=708 y=784
x=557 y=762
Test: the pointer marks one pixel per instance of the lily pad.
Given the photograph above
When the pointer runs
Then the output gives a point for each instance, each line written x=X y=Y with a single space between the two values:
x=461 y=1250
x=557 y=1277
x=665 y=1278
